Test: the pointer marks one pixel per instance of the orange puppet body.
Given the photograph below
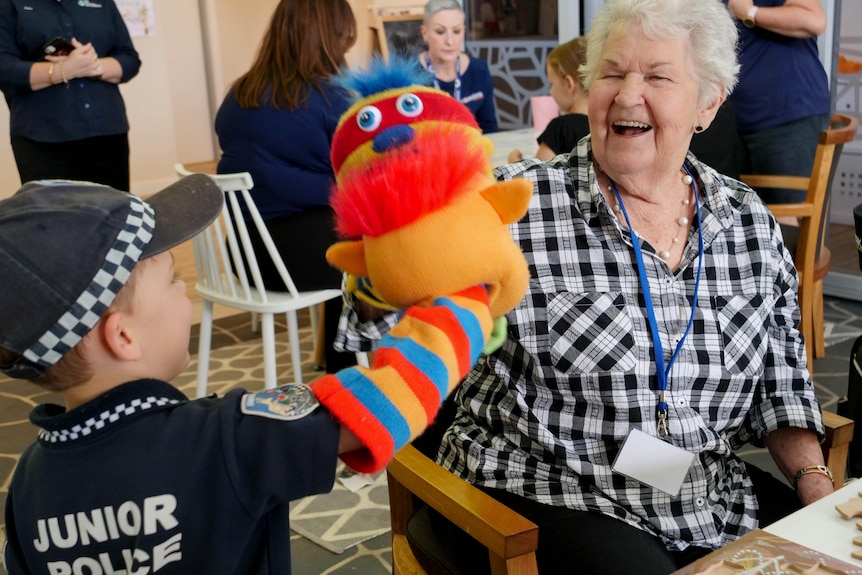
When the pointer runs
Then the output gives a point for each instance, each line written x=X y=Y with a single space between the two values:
x=428 y=230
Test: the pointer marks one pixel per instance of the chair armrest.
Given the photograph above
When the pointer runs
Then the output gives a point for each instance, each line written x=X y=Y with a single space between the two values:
x=509 y=537
x=836 y=445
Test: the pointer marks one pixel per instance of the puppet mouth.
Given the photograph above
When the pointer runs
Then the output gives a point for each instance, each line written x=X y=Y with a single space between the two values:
x=628 y=128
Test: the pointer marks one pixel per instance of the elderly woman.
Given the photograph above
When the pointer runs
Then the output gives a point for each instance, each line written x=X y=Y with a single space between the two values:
x=660 y=328
x=465 y=78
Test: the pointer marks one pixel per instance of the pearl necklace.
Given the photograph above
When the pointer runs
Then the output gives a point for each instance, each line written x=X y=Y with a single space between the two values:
x=682 y=222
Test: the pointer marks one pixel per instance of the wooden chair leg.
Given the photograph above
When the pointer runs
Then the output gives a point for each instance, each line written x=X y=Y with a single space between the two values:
x=819 y=322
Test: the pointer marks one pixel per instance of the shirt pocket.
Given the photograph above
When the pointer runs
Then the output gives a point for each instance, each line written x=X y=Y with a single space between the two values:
x=590 y=333
x=743 y=324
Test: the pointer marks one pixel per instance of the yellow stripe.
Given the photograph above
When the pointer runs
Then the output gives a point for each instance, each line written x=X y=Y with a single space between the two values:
x=431 y=338
x=390 y=383
x=478 y=309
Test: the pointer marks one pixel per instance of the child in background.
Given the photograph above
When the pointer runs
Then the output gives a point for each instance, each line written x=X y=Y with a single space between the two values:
x=564 y=131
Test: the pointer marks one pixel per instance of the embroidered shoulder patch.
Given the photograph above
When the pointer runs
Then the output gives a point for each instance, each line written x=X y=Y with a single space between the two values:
x=286 y=403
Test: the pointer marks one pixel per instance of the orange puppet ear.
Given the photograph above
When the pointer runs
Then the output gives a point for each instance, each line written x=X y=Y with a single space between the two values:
x=510 y=198
x=348 y=257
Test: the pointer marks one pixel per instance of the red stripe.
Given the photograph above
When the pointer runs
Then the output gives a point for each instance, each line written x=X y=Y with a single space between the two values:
x=423 y=388
x=478 y=293
x=341 y=403
x=444 y=320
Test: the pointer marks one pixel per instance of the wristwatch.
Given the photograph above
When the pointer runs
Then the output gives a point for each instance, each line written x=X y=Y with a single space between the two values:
x=749 y=20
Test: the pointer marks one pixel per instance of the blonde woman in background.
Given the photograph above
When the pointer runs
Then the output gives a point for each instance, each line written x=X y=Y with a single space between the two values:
x=465 y=78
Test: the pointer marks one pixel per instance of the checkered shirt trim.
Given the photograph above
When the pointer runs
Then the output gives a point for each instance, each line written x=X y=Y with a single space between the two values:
x=105 y=418
x=95 y=299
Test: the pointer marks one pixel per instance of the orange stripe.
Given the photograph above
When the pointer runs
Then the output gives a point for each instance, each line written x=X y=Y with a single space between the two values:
x=389 y=381
x=479 y=307
x=443 y=319
x=424 y=389
x=429 y=336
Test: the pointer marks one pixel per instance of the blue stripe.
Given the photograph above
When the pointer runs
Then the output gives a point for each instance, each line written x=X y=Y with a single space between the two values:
x=429 y=363
x=470 y=324
x=375 y=401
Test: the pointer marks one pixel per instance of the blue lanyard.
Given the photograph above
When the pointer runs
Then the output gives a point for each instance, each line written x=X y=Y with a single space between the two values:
x=457 y=94
x=662 y=370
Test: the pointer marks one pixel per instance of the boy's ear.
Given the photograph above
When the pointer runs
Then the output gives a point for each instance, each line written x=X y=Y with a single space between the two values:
x=117 y=337
x=571 y=84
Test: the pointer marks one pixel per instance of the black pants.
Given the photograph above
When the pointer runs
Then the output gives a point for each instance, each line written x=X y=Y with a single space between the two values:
x=102 y=159
x=591 y=543
x=302 y=240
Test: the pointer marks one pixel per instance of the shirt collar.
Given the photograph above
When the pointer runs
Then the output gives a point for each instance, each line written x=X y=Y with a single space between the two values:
x=111 y=409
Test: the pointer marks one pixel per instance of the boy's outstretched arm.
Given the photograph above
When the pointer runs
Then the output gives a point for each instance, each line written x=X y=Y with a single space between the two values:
x=417 y=364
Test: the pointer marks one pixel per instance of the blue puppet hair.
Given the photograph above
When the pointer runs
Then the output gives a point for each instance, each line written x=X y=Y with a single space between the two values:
x=380 y=75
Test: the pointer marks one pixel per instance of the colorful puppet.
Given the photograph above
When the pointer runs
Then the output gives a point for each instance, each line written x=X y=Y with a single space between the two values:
x=428 y=229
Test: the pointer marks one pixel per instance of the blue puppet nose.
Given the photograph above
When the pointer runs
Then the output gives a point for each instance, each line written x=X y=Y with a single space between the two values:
x=392 y=138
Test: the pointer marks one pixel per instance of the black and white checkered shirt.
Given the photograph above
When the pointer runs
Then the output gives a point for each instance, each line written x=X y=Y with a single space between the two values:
x=545 y=416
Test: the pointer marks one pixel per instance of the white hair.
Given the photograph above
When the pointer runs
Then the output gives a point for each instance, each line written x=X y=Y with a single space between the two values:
x=706 y=25
x=434 y=6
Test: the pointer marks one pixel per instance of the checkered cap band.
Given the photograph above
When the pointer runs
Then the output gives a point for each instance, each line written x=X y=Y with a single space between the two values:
x=95 y=299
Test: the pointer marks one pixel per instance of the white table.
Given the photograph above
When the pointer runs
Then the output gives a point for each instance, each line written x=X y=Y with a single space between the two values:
x=505 y=142
x=820 y=527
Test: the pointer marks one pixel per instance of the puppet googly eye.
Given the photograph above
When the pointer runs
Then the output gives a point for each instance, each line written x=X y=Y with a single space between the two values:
x=369 y=118
x=409 y=105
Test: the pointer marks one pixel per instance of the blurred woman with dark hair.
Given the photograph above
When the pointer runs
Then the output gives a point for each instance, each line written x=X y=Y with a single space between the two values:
x=277 y=123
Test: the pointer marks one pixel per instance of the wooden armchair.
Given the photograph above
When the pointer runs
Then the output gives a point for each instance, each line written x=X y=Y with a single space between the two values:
x=511 y=539
x=812 y=257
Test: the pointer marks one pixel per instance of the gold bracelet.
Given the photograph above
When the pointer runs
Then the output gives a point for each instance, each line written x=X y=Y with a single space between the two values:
x=51 y=74
x=63 y=75
x=819 y=469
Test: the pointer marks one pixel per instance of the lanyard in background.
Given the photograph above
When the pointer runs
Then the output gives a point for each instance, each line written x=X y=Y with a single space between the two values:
x=457 y=94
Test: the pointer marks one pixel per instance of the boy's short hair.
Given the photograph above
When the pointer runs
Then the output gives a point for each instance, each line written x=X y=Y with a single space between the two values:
x=66 y=250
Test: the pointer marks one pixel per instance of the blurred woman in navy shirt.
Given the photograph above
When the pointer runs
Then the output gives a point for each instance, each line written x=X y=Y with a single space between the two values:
x=277 y=123
x=67 y=116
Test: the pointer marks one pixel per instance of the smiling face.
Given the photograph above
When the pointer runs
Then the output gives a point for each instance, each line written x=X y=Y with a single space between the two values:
x=643 y=106
x=444 y=35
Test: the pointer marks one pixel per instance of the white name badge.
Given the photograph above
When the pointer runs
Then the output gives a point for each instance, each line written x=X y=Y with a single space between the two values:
x=653 y=462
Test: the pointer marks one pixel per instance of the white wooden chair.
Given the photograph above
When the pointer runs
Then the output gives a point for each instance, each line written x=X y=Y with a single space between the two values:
x=228 y=274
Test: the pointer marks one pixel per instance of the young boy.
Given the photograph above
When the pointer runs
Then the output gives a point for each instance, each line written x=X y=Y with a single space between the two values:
x=130 y=476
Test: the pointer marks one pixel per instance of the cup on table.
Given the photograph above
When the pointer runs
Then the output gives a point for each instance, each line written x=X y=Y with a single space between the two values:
x=543 y=109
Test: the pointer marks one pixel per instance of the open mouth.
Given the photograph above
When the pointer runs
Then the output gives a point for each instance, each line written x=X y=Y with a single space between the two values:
x=630 y=128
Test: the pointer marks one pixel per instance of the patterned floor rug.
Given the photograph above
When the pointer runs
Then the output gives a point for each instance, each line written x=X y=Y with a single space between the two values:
x=343 y=518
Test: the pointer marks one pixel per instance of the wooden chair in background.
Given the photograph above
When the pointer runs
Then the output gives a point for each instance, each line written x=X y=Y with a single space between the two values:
x=811 y=255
